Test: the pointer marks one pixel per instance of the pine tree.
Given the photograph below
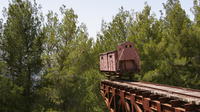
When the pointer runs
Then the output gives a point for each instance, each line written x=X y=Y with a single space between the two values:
x=145 y=33
x=114 y=32
x=22 y=47
x=46 y=92
x=176 y=24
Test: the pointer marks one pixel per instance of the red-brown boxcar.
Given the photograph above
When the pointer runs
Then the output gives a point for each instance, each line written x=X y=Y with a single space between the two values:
x=112 y=61
x=124 y=60
x=103 y=62
x=128 y=58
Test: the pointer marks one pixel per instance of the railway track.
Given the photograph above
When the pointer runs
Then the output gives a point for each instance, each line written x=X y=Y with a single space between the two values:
x=124 y=96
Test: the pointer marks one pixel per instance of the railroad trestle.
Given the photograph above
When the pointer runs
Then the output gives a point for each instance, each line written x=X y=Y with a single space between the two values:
x=145 y=97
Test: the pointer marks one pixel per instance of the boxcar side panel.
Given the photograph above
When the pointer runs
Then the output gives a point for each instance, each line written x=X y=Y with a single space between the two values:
x=103 y=62
x=112 y=61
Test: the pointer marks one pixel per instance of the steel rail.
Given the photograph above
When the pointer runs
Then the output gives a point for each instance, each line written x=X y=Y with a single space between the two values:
x=126 y=96
x=184 y=94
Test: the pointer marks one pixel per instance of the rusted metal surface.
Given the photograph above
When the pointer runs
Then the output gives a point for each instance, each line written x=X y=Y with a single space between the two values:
x=128 y=58
x=122 y=96
x=124 y=60
x=103 y=62
x=108 y=61
x=127 y=51
x=112 y=60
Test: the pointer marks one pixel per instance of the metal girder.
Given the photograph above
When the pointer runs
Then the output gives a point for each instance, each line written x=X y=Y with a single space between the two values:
x=126 y=99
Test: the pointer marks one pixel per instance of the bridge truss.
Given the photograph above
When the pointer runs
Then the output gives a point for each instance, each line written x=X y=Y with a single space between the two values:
x=124 y=96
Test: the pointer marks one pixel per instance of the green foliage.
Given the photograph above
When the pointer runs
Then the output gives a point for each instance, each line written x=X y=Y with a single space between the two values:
x=168 y=46
x=22 y=47
x=92 y=101
x=55 y=67
x=114 y=32
x=69 y=61
x=10 y=99
x=146 y=33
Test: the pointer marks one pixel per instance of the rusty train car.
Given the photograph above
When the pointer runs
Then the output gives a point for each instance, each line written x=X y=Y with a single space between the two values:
x=125 y=59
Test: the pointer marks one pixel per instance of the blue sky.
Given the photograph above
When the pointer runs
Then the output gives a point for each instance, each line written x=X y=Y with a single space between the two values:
x=91 y=12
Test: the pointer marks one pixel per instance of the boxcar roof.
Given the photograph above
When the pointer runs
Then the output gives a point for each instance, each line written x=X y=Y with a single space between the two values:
x=108 y=52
